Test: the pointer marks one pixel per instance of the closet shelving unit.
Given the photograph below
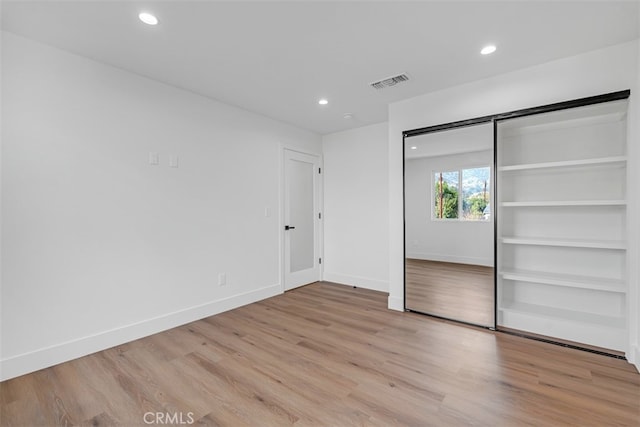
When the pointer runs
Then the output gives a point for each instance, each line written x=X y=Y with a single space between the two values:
x=561 y=224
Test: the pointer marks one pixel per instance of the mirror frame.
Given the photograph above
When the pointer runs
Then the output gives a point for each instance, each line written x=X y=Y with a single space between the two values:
x=442 y=128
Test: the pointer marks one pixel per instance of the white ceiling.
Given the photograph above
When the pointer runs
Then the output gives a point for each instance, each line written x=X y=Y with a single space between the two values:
x=279 y=58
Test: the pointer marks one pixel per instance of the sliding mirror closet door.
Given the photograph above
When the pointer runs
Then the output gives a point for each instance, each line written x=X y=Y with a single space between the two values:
x=449 y=228
x=561 y=216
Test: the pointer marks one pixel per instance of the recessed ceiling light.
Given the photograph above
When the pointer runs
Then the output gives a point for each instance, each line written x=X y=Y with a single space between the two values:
x=348 y=116
x=414 y=148
x=148 y=18
x=488 y=49
x=323 y=102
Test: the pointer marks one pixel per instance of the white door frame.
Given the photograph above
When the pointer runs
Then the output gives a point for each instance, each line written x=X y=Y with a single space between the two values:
x=281 y=223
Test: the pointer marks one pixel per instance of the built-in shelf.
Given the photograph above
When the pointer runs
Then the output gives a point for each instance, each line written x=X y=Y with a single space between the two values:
x=559 y=313
x=561 y=203
x=553 y=172
x=566 y=163
x=567 y=243
x=567 y=280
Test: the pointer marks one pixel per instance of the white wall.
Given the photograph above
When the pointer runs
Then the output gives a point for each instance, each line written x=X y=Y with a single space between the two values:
x=98 y=246
x=356 y=207
x=606 y=70
x=1 y=186
x=466 y=242
x=634 y=230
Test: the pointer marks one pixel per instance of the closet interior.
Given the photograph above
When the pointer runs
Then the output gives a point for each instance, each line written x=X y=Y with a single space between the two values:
x=559 y=214
x=561 y=229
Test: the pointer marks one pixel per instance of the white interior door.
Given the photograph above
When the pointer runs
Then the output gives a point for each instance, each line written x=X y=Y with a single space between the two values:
x=301 y=219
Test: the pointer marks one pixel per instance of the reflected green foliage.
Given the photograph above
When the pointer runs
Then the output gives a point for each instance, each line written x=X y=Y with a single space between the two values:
x=473 y=206
x=447 y=195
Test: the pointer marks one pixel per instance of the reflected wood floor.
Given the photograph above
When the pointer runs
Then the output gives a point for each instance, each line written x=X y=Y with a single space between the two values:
x=454 y=291
x=329 y=355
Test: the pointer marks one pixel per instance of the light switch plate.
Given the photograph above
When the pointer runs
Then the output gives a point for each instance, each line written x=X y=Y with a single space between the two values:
x=154 y=158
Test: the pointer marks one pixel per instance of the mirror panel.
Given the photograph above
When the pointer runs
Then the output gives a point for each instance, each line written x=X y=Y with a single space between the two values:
x=449 y=228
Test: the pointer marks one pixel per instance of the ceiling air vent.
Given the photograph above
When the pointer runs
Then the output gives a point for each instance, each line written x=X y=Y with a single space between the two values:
x=390 y=81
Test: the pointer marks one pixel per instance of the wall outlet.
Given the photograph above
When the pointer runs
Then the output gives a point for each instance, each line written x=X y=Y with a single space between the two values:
x=222 y=279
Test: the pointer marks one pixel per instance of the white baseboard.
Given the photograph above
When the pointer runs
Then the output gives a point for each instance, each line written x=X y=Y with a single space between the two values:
x=634 y=356
x=487 y=262
x=361 y=282
x=25 y=363
x=395 y=303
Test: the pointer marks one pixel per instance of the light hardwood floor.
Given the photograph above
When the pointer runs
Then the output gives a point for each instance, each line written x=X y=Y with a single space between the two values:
x=329 y=355
x=455 y=291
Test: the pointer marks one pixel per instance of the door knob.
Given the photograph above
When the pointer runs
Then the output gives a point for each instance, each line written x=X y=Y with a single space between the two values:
x=289 y=227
